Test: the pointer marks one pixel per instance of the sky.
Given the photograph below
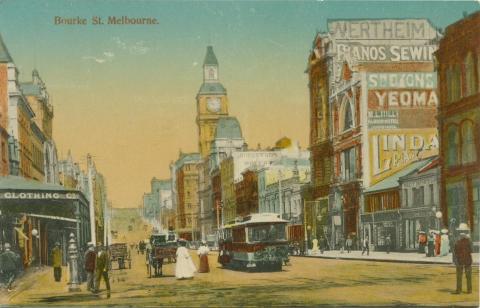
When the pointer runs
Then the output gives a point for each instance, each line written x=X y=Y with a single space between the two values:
x=126 y=94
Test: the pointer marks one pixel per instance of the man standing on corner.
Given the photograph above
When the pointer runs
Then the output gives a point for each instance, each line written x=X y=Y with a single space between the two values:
x=90 y=258
x=101 y=269
x=9 y=261
x=463 y=258
x=57 y=262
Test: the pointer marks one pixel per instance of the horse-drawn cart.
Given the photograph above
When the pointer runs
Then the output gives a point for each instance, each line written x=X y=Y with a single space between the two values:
x=163 y=248
x=119 y=253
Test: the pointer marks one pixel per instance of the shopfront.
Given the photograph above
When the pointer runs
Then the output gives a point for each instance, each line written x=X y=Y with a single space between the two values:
x=34 y=216
x=380 y=225
x=413 y=221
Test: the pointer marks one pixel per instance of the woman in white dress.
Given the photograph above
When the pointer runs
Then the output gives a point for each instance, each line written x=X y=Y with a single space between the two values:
x=444 y=243
x=184 y=268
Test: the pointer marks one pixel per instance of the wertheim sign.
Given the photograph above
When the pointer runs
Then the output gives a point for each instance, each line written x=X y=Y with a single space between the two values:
x=386 y=29
x=39 y=195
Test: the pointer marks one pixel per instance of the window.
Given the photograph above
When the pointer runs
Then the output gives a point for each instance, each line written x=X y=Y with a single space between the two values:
x=405 y=196
x=418 y=196
x=432 y=194
x=469 y=154
x=470 y=85
x=454 y=83
x=348 y=164
x=348 y=114
x=266 y=233
x=452 y=146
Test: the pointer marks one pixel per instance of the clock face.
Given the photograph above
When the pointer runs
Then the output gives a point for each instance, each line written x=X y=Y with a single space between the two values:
x=213 y=104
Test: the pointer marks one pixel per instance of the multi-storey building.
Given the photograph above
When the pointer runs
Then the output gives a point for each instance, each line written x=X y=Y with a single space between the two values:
x=5 y=59
x=459 y=114
x=187 y=203
x=231 y=170
x=382 y=102
x=246 y=193
x=37 y=96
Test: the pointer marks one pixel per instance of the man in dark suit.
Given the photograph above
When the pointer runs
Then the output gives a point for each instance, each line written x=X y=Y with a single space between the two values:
x=463 y=258
x=101 y=268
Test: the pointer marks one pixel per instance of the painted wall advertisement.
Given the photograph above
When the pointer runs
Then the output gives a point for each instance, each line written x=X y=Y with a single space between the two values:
x=392 y=150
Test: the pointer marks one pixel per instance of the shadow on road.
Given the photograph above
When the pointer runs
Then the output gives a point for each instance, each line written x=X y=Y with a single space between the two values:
x=74 y=297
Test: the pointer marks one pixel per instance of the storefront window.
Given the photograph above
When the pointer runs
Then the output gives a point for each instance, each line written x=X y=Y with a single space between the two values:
x=476 y=209
x=456 y=197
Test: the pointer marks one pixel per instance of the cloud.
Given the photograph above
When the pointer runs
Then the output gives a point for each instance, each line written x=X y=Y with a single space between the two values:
x=109 y=54
x=137 y=48
x=195 y=63
x=95 y=59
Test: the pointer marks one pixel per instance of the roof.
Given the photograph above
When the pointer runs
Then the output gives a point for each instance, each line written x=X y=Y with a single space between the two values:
x=4 y=54
x=212 y=88
x=29 y=88
x=187 y=158
x=392 y=181
x=20 y=183
x=210 y=58
x=261 y=218
x=229 y=128
x=283 y=143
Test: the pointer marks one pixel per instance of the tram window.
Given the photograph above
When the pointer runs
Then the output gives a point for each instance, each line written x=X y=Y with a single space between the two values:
x=266 y=233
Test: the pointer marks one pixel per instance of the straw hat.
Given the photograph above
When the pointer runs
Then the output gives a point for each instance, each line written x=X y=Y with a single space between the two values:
x=463 y=227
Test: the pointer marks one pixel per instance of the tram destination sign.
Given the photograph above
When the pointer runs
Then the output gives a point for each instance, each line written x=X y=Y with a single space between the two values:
x=11 y=195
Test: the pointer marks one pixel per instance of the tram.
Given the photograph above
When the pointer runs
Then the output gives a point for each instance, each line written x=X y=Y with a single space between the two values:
x=257 y=243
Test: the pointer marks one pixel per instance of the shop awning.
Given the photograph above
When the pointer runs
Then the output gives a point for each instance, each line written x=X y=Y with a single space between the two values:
x=20 y=195
x=392 y=181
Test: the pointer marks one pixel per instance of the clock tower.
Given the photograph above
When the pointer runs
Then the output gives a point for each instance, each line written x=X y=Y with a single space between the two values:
x=212 y=103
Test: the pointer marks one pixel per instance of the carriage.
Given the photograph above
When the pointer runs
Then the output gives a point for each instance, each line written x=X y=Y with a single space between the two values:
x=163 y=246
x=119 y=253
x=257 y=243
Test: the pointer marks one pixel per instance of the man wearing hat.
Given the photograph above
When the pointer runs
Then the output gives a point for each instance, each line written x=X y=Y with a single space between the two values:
x=463 y=258
x=102 y=264
x=57 y=262
x=90 y=257
x=9 y=261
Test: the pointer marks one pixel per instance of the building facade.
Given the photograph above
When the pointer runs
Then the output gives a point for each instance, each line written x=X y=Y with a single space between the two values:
x=459 y=114
x=5 y=59
x=187 y=203
x=383 y=104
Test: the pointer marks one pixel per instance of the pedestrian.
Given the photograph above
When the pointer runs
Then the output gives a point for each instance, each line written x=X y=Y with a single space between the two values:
x=9 y=262
x=315 y=245
x=422 y=242
x=90 y=258
x=437 y=241
x=203 y=255
x=101 y=269
x=463 y=258
x=349 y=243
x=444 y=243
x=184 y=268
x=430 y=244
x=388 y=243
x=365 y=246
x=57 y=256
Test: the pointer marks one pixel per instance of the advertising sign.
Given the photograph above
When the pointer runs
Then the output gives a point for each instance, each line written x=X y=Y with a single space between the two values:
x=386 y=29
x=392 y=150
x=385 y=53
x=402 y=80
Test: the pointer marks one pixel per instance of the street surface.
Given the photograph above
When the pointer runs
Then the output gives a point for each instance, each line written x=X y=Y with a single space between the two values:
x=306 y=281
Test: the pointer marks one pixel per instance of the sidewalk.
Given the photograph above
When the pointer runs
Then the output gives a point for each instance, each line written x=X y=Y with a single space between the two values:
x=381 y=256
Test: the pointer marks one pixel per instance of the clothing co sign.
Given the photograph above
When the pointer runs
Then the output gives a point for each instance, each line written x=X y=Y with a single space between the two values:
x=38 y=195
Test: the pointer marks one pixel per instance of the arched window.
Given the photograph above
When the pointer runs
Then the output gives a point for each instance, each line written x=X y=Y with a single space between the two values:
x=211 y=73
x=452 y=146
x=469 y=154
x=454 y=83
x=347 y=114
x=470 y=84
